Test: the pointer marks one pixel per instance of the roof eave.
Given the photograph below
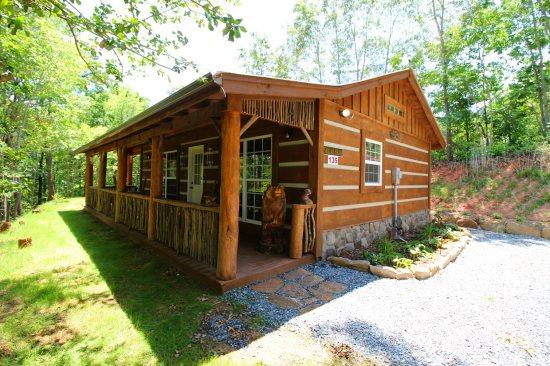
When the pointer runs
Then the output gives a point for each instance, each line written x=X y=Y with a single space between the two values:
x=172 y=99
x=440 y=142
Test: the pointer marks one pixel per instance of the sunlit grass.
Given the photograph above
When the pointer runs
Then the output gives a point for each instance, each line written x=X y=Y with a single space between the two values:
x=83 y=294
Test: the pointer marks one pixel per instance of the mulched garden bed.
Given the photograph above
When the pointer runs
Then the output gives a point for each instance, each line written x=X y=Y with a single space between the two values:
x=418 y=255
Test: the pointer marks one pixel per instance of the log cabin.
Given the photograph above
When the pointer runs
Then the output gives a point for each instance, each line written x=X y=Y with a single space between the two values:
x=192 y=169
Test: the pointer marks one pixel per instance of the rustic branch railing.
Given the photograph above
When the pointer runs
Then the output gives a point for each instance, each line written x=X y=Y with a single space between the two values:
x=134 y=209
x=189 y=229
x=91 y=199
x=302 y=234
x=108 y=200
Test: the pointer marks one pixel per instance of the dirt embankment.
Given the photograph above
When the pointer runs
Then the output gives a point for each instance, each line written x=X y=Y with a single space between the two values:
x=499 y=189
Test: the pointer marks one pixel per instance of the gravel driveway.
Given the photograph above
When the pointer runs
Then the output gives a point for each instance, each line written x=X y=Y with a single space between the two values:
x=490 y=307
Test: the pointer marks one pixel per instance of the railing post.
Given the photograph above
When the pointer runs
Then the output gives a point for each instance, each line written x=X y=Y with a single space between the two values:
x=89 y=178
x=120 y=179
x=156 y=183
x=101 y=177
x=229 y=190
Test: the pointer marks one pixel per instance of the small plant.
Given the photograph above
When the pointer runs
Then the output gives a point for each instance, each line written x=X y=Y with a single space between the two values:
x=497 y=216
x=520 y=218
x=402 y=254
x=402 y=262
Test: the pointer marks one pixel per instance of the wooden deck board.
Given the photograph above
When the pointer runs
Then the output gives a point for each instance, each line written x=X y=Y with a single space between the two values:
x=252 y=265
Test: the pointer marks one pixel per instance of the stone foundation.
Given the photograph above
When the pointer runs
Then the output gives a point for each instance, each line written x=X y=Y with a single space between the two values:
x=360 y=236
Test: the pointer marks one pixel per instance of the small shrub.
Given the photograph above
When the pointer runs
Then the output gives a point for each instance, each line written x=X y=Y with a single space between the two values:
x=497 y=216
x=402 y=262
x=535 y=174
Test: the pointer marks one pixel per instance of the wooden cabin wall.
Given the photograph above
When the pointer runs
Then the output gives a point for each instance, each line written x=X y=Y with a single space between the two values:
x=345 y=200
x=210 y=139
x=145 y=177
x=372 y=103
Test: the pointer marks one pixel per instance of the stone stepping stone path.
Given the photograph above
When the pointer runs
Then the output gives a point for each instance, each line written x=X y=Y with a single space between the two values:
x=299 y=289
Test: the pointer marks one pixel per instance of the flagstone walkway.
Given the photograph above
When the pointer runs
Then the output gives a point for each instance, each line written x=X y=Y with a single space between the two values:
x=299 y=289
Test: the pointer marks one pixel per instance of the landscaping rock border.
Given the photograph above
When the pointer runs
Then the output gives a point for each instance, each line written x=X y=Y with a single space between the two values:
x=417 y=271
x=538 y=230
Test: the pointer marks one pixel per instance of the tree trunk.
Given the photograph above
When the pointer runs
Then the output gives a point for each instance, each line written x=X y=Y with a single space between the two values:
x=444 y=75
x=49 y=168
x=543 y=86
x=40 y=178
x=18 y=195
x=388 y=47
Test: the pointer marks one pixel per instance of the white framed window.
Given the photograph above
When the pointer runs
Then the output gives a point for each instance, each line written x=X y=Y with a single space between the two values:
x=256 y=174
x=169 y=173
x=373 y=163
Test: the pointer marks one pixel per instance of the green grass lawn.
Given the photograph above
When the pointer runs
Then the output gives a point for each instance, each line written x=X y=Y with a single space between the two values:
x=83 y=294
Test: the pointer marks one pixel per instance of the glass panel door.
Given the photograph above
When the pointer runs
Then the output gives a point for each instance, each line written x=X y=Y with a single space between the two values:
x=256 y=173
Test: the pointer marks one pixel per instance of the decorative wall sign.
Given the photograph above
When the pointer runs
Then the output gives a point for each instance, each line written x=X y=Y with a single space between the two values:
x=333 y=151
x=333 y=160
x=394 y=135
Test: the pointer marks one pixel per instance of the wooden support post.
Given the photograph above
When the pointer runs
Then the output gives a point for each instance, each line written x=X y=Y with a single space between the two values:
x=89 y=178
x=297 y=232
x=120 y=179
x=318 y=177
x=129 y=169
x=156 y=183
x=229 y=193
x=101 y=177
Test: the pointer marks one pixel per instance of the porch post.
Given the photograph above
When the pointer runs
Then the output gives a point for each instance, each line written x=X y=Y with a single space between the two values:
x=120 y=179
x=129 y=169
x=101 y=177
x=229 y=190
x=89 y=178
x=156 y=183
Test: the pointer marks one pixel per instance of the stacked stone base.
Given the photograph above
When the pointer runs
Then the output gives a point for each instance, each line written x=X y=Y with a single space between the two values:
x=361 y=236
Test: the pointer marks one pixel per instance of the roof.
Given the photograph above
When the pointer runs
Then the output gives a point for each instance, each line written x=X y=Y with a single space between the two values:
x=220 y=84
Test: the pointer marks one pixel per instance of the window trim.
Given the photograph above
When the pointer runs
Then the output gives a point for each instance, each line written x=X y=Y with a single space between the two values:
x=164 y=171
x=243 y=193
x=372 y=162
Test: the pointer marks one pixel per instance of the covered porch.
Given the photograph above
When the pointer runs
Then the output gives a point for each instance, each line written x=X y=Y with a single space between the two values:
x=209 y=238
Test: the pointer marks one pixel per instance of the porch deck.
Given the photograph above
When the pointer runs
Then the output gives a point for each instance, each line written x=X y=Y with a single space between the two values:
x=252 y=265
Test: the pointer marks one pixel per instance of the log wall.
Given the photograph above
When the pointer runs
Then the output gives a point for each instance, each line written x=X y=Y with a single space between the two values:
x=373 y=103
x=345 y=199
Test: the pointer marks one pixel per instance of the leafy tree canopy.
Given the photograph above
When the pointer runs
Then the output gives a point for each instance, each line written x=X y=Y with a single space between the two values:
x=107 y=36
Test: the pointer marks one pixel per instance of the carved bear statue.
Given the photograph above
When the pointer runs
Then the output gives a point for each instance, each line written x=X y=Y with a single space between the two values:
x=273 y=218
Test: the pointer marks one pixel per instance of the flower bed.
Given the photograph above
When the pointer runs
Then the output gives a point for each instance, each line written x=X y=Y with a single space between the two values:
x=420 y=255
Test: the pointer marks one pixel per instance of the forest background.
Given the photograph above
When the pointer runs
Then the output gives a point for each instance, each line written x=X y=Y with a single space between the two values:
x=483 y=64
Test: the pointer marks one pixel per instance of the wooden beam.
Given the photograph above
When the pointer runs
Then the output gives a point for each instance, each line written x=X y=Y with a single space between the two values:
x=101 y=177
x=319 y=155
x=306 y=134
x=120 y=179
x=89 y=178
x=176 y=125
x=229 y=196
x=216 y=125
x=129 y=169
x=156 y=183
x=248 y=124
x=208 y=92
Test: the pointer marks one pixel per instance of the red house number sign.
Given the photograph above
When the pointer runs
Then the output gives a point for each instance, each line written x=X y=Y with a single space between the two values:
x=333 y=159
